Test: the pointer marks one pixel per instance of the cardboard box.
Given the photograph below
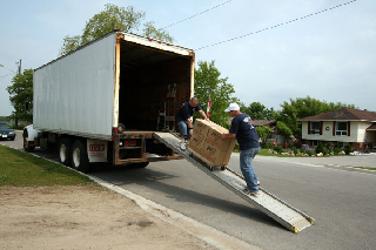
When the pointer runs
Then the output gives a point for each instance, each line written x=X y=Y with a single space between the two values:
x=207 y=143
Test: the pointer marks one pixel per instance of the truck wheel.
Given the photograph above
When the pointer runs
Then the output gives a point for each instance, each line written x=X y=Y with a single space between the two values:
x=80 y=160
x=140 y=165
x=64 y=151
x=27 y=145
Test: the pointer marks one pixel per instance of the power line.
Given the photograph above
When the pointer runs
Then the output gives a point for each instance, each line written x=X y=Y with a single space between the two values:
x=277 y=25
x=195 y=15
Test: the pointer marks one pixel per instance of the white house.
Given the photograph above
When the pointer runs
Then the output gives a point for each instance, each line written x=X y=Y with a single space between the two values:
x=346 y=125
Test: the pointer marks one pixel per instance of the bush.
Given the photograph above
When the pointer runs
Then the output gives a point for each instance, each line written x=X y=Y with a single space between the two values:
x=322 y=148
x=264 y=132
x=267 y=145
x=337 y=150
x=348 y=149
x=278 y=149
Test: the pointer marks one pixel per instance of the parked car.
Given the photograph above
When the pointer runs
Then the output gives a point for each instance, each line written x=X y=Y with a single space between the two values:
x=6 y=133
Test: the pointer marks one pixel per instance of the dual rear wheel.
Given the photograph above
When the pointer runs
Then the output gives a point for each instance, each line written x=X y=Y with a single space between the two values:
x=73 y=153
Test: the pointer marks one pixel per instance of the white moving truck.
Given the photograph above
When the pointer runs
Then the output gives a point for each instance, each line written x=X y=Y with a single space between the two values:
x=103 y=102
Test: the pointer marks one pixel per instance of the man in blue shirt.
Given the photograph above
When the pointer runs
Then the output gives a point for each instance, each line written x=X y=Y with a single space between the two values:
x=246 y=135
x=184 y=118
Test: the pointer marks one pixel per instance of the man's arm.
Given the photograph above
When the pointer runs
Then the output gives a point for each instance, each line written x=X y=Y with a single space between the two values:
x=233 y=130
x=203 y=115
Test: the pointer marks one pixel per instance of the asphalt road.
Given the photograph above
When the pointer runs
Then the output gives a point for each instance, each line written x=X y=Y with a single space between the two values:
x=342 y=202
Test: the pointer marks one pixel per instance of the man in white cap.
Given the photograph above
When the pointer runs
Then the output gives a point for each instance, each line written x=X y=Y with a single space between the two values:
x=246 y=135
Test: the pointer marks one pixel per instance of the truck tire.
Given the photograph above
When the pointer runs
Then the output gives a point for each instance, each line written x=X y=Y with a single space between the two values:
x=80 y=160
x=27 y=146
x=65 y=147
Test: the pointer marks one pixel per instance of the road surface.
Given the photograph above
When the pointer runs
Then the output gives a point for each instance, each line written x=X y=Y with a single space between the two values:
x=342 y=202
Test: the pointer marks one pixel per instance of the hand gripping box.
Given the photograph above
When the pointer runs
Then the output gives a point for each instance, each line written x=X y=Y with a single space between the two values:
x=208 y=145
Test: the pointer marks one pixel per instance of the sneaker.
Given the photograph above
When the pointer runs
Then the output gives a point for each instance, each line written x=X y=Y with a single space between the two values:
x=249 y=192
x=183 y=145
x=246 y=191
x=255 y=193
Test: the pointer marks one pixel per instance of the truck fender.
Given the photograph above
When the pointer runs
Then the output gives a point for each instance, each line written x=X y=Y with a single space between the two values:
x=30 y=133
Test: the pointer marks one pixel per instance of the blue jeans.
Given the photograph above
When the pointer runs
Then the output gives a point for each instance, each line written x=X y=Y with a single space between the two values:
x=183 y=129
x=246 y=157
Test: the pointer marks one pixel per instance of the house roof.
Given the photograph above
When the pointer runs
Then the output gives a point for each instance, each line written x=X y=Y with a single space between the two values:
x=263 y=122
x=344 y=114
x=372 y=127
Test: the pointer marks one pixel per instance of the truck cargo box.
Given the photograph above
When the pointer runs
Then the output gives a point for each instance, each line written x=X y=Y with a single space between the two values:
x=118 y=79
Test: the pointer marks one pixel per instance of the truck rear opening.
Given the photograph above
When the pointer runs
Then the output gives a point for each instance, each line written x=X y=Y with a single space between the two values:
x=153 y=84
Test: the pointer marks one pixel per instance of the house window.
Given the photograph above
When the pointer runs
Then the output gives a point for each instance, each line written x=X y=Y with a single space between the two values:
x=315 y=128
x=341 y=128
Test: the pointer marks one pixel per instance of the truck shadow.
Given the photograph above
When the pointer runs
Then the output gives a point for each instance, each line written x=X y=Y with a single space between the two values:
x=153 y=180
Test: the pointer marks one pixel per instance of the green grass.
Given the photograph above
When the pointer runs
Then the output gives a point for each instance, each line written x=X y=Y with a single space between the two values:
x=21 y=169
x=265 y=152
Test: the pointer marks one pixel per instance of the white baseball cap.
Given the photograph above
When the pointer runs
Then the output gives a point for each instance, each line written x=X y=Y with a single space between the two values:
x=232 y=107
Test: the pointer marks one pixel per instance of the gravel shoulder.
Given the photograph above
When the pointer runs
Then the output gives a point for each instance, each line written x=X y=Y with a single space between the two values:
x=82 y=217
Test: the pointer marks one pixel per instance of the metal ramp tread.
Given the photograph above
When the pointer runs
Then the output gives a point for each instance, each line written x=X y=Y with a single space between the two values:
x=280 y=211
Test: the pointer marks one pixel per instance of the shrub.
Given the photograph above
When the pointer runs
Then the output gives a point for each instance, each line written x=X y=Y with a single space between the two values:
x=278 y=149
x=348 y=149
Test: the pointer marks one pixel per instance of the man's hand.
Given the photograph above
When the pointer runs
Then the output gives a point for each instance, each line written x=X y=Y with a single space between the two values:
x=190 y=122
x=204 y=116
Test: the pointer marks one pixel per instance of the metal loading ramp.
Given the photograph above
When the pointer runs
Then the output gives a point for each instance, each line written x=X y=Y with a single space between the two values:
x=285 y=214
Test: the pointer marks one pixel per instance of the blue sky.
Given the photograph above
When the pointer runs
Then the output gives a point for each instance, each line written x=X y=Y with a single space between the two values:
x=331 y=56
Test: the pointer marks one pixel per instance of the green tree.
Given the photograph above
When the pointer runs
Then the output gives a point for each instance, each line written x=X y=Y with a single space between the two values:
x=258 y=111
x=264 y=132
x=112 y=18
x=151 y=31
x=208 y=82
x=298 y=108
x=283 y=129
x=70 y=43
x=21 y=96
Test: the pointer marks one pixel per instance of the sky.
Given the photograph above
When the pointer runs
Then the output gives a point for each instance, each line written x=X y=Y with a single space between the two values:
x=330 y=57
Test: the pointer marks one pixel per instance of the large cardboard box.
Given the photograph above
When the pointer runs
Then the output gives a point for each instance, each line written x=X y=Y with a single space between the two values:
x=208 y=145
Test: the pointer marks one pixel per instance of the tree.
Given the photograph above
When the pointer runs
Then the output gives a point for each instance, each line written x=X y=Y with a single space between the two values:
x=21 y=96
x=112 y=18
x=70 y=44
x=151 y=31
x=208 y=82
x=298 y=108
x=283 y=129
x=264 y=132
x=258 y=111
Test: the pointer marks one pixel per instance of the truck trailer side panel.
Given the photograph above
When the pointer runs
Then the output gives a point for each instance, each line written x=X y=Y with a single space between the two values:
x=75 y=94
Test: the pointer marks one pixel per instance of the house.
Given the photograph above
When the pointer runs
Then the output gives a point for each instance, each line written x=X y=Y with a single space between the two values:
x=267 y=123
x=274 y=137
x=354 y=126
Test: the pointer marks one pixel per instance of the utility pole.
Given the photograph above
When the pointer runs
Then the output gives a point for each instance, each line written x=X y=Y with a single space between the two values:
x=19 y=66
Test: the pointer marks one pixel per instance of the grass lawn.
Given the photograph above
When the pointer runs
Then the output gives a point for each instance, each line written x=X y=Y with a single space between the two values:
x=21 y=169
x=265 y=152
